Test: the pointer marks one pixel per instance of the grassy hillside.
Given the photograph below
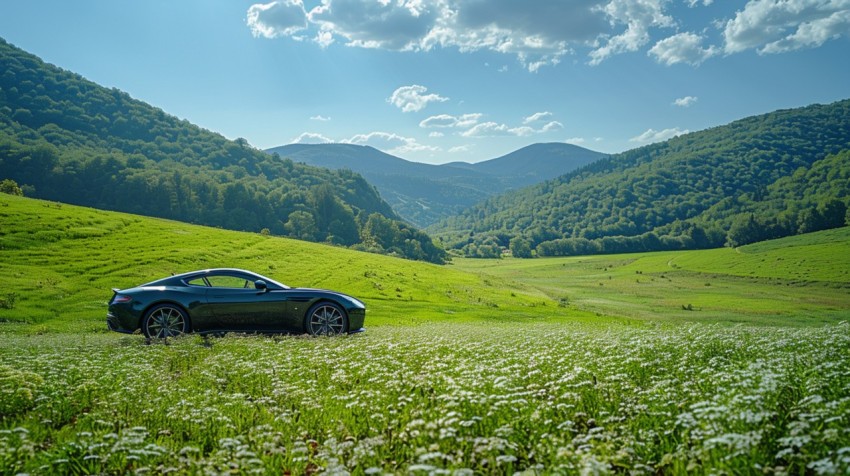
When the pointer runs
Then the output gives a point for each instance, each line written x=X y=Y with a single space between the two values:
x=462 y=369
x=800 y=280
x=58 y=263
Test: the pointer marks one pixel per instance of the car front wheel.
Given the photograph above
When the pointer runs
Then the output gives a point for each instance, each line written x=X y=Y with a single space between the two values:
x=165 y=320
x=326 y=318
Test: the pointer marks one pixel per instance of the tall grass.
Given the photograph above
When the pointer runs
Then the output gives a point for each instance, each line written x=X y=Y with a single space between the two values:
x=463 y=398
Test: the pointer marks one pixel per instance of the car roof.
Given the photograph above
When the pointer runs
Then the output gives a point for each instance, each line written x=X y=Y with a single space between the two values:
x=180 y=278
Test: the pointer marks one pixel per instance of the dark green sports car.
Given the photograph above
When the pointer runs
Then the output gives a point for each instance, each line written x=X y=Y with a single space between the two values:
x=225 y=300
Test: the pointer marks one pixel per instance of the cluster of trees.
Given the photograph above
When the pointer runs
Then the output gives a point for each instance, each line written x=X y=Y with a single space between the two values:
x=681 y=194
x=67 y=139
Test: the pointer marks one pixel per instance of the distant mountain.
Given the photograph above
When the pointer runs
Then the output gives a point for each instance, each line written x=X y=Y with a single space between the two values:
x=68 y=139
x=762 y=177
x=535 y=163
x=423 y=193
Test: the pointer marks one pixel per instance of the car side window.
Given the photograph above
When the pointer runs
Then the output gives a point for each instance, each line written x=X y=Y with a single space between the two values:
x=229 y=282
x=197 y=282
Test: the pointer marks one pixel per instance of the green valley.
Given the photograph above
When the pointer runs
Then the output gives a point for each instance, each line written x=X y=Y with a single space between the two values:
x=724 y=360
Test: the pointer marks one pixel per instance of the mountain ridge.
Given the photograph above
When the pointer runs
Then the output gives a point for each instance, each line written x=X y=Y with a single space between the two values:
x=425 y=193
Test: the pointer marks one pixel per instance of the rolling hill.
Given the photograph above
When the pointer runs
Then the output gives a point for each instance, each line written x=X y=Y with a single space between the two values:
x=68 y=139
x=423 y=193
x=762 y=177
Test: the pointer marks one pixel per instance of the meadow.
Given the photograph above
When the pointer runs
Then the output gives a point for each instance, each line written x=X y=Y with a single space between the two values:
x=586 y=365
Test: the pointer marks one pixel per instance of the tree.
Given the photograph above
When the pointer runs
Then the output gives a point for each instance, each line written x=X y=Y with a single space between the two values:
x=520 y=247
x=11 y=187
x=301 y=225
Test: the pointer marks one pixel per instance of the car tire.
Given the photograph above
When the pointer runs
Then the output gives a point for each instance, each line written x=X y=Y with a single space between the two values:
x=326 y=318
x=165 y=320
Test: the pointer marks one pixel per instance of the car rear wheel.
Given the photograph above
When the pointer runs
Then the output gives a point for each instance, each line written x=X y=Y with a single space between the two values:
x=165 y=320
x=326 y=318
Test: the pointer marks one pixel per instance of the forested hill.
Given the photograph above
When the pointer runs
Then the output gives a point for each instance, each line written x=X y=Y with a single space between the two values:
x=68 y=139
x=761 y=177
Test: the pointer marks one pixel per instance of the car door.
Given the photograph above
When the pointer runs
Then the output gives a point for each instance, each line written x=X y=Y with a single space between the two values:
x=238 y=305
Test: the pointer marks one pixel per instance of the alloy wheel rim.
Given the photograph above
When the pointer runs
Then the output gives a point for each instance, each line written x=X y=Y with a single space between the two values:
x=166 y=322
x=326 y=320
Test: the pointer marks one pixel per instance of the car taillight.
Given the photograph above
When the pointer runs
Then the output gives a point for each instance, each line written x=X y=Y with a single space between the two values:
x=121 y=298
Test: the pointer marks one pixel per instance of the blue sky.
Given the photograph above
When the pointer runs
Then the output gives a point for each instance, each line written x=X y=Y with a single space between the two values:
x=445 y=80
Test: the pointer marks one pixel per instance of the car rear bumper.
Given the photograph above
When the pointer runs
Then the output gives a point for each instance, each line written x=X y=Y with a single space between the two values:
x=115 y=323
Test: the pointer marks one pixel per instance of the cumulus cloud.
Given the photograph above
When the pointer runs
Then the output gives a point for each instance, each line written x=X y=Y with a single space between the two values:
x=397 y=25
x=686 y=101
x=413 y=98
x=538 y=34
x=551 y=126
x=279 y=18
x=777 y=26
x=494 y=129
x=460 y=149
x=320 y=118
x=390 y=143
x=651 y=135
x=311 y=138
x=537 y=116
x=682 y=48
x=575 y=140
x=445 y=120
x=638 y=16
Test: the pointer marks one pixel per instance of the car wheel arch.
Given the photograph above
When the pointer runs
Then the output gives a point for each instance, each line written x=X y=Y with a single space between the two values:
x=170 y=303
x=313 y=305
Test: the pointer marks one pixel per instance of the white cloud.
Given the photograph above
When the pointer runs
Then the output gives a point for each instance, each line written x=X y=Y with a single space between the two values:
x=398 y=25
x=537 y=116
x=436 y=134
x=551 y=126
x=493 y=129
x=445 y=120
x=278 y=18
x=311 y=138
x=413 y=98
x=651 y=135
x=575 y=140
x=538 y=34
x=682 y=48
x=460 y=149
x=390 y=143
x=686 y=101
x=777 y=26
x=320 y=118
x=638 y=16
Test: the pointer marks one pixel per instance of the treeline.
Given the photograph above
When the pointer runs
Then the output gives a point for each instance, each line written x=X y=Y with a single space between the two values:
x=67 y=139
x=685 y=193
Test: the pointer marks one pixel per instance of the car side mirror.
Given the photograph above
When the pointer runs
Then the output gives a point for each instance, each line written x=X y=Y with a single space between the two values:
x=261 y=285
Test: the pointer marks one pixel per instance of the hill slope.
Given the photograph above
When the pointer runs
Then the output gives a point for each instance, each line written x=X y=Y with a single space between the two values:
x=65 y=138
x=58 y=263
x=687 y=192
x=425 y=193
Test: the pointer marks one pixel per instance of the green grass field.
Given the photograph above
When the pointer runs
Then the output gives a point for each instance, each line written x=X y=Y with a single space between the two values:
x=798 y=281
x=709 y=362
